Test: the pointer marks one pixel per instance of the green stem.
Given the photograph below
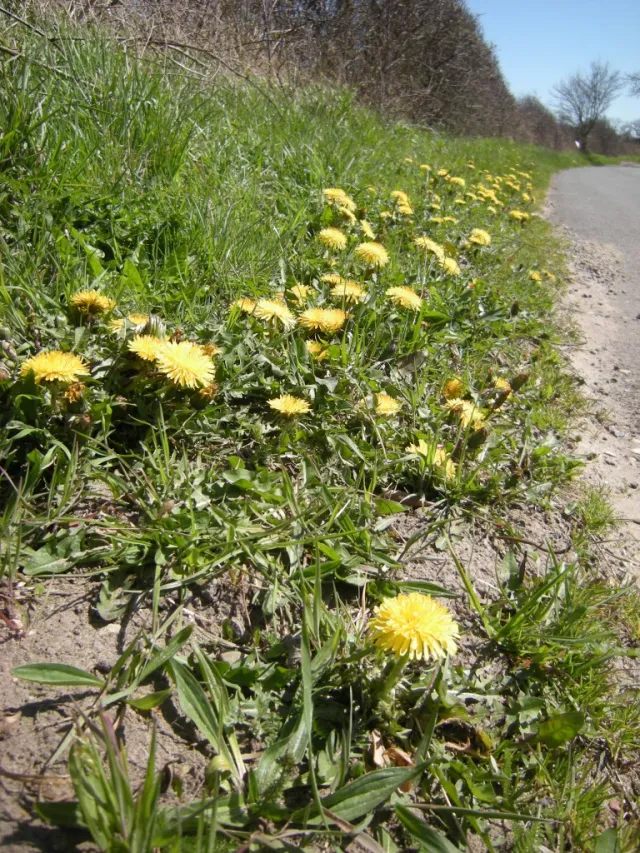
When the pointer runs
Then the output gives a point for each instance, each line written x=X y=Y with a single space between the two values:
x=392 y=677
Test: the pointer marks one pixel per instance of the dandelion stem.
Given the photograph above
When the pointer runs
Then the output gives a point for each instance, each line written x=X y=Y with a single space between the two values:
x=393 y=676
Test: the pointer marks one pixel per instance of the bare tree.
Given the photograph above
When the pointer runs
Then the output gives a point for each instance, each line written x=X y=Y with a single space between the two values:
x=633 y=82
x=582 y=99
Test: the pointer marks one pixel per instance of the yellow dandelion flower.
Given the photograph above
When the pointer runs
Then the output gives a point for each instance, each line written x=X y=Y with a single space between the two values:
x=386 y=405
x=117 y=324
x=317 y=351
x=525 y=197
x=55 y=366
x=350 y=291
x=146 y=347
x=444 y=462
x=138 y=319
x=74 y=392
x=480 y=237
x=458 y=182
x=289 y=405
x=430 y=246
x=491 y=209
x=367 y=229
x=185 y=364
x=244 y=304
x=414 y=626
x=92 y=302
x=373 y=254
x=425 y=167
x=436 y=456
x=452 y=388
x=437 y=220
x=323 y=319
x=442 y=173
x=301 y=292
x=535 y=276
x=450 y=219
x=386 y=214
x=503 y=386
x=471 y=165
x=405 y=209
x=450 y=266
x=548 y=275
x=400 y=196
x=436 y=197
x=405 y=297
x=332 y=278
x=348 y=214
x=420 y=449
x=274 y=311
x=471 y=196
x=468 y=413
x=434 y=206
x=209 y=349
x=337 y=196
x=460 y=201
x=519 y=215
x=333 y=238
x=208 y=392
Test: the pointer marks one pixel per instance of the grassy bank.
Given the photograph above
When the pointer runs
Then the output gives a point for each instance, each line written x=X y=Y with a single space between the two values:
x=353 y=354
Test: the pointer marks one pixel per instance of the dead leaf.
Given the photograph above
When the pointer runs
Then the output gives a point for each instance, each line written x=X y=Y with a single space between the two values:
x=401 y=759
x=377 y=750
x=462 y=736
x=8 y=725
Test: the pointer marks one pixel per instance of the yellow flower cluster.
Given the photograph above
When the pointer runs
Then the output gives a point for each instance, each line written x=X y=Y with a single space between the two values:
x=334 y=195
x=184 y=363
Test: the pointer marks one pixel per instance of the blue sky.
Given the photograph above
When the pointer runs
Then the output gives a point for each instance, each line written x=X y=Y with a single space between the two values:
x=539 y=42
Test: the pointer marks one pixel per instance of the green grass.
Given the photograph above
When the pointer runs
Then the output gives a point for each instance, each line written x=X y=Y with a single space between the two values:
x=175 y=197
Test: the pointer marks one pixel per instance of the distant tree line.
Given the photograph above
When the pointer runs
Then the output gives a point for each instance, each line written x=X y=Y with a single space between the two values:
x=425 y=60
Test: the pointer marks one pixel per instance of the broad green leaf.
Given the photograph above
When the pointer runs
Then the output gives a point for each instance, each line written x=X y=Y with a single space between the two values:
x=384 y=506
x=559 y=729
x=434 y=317
x=152 y=700
x=430 y=840
x=368 y=792
x=607 y=842
x=57 y=673
x=42 y=562
x=195 y=703
x=67 y=815
x=130 y=272
x=292 y=747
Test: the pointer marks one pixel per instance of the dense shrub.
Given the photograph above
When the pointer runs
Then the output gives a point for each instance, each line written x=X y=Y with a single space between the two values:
x=425 y=60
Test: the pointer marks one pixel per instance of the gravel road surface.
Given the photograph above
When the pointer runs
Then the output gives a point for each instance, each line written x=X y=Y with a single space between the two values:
x=598 y=210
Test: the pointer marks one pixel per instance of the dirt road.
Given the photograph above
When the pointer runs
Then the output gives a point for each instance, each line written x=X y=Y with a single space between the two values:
x=598 y=210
